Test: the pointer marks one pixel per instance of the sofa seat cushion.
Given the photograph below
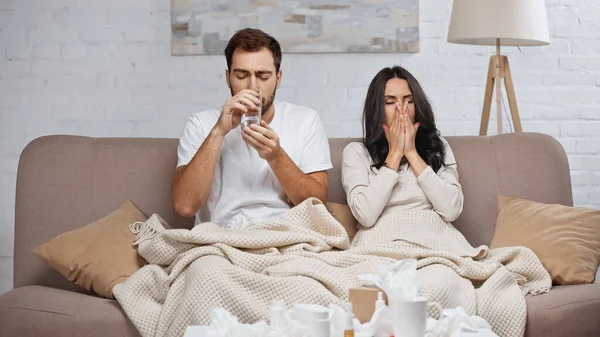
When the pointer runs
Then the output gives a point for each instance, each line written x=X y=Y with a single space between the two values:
x=569 y=310
x=42 y=311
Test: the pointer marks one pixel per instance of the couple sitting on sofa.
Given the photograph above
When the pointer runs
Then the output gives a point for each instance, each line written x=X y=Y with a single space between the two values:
x=231 y=177
x=401 y=181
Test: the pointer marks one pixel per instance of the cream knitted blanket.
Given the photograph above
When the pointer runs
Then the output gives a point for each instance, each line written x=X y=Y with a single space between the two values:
x=304 y=256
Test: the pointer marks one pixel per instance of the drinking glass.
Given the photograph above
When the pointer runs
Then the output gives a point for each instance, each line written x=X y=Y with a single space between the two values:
x=253 y=116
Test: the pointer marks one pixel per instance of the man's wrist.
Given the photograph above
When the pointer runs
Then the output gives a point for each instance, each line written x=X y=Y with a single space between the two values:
x=278 y=157
x=216 y=132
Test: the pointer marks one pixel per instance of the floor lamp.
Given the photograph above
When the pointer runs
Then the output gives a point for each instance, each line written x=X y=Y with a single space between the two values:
x=496 y=23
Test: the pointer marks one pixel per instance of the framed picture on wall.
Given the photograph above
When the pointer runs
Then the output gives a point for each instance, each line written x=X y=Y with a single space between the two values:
x=203 y=27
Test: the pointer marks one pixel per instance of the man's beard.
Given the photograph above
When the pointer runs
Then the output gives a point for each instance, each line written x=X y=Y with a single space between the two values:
x=268 y=101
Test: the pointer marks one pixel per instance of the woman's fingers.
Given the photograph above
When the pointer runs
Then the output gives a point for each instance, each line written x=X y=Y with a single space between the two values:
x=386 y=130
x=397 y=116
x=401 y=124
x=399 y=121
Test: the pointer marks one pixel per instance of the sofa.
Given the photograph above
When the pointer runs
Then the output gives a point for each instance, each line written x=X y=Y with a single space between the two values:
x=65 y=182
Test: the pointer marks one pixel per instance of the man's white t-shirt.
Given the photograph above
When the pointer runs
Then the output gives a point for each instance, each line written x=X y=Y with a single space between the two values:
x=244 y=187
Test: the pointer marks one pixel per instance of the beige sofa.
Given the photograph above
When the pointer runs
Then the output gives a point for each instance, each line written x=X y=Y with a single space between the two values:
x=65 y=182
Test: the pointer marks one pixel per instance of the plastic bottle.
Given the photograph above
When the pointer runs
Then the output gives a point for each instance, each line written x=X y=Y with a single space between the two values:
x=349 y=324
x=379 y=306
x=379 y=303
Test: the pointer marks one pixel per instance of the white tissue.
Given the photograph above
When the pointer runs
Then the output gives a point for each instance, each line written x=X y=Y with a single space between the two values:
x=399 y=280
x=379 y=325
x=338 y=316
x=223 y=324
x=457 y=323
x=299 y=322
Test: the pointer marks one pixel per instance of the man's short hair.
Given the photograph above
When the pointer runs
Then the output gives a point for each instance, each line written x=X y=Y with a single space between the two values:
x=253 y=40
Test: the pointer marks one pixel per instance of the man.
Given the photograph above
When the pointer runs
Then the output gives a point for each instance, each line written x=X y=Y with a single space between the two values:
x=231 y=176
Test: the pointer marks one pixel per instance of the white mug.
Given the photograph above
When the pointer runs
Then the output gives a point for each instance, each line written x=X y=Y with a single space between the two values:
x=410 y=318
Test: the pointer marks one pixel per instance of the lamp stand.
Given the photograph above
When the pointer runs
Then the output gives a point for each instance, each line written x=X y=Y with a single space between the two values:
x=499 y=69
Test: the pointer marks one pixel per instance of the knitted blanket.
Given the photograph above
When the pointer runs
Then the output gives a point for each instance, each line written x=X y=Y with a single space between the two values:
x=304 y=256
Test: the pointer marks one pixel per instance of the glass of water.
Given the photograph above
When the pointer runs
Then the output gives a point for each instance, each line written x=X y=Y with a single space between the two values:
x=253 y=116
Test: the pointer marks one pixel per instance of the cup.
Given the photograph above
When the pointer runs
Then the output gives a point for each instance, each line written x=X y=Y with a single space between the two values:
x=410 y=318
x=253 y=116
x=316 y=317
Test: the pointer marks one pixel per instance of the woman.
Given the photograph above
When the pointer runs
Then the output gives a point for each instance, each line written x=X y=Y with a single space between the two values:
x=402 y=164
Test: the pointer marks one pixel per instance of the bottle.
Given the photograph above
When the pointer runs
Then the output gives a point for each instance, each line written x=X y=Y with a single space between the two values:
x=349 y=324
x=379 y=306
x=379 y=303
x=321 y=326
x=277 y=321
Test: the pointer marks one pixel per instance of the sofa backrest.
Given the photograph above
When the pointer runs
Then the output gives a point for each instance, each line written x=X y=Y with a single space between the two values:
x=65 y=182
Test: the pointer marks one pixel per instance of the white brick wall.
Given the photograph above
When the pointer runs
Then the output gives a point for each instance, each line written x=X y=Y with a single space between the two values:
x=103 y=68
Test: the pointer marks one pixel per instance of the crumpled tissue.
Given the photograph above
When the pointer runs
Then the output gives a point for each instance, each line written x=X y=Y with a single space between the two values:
x=398 y=280
x=458 y=323
x=297 y=324
x=223 y=324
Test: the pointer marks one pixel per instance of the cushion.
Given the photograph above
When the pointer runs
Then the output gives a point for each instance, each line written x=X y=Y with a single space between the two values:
x=566 y=239
x=343 y=215
x=98 y=256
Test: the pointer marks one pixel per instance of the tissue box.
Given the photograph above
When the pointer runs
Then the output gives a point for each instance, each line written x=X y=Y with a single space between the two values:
x=363 y=302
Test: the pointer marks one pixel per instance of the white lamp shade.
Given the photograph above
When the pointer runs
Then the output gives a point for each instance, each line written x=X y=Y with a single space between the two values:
x=514 y=22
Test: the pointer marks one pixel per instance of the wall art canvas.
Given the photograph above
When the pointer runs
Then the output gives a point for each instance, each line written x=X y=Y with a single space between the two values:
x=203 y=27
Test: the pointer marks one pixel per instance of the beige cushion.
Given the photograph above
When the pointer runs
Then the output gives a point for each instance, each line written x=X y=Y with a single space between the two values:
x=343 y=215
x=566 y=239
x=98 y=256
